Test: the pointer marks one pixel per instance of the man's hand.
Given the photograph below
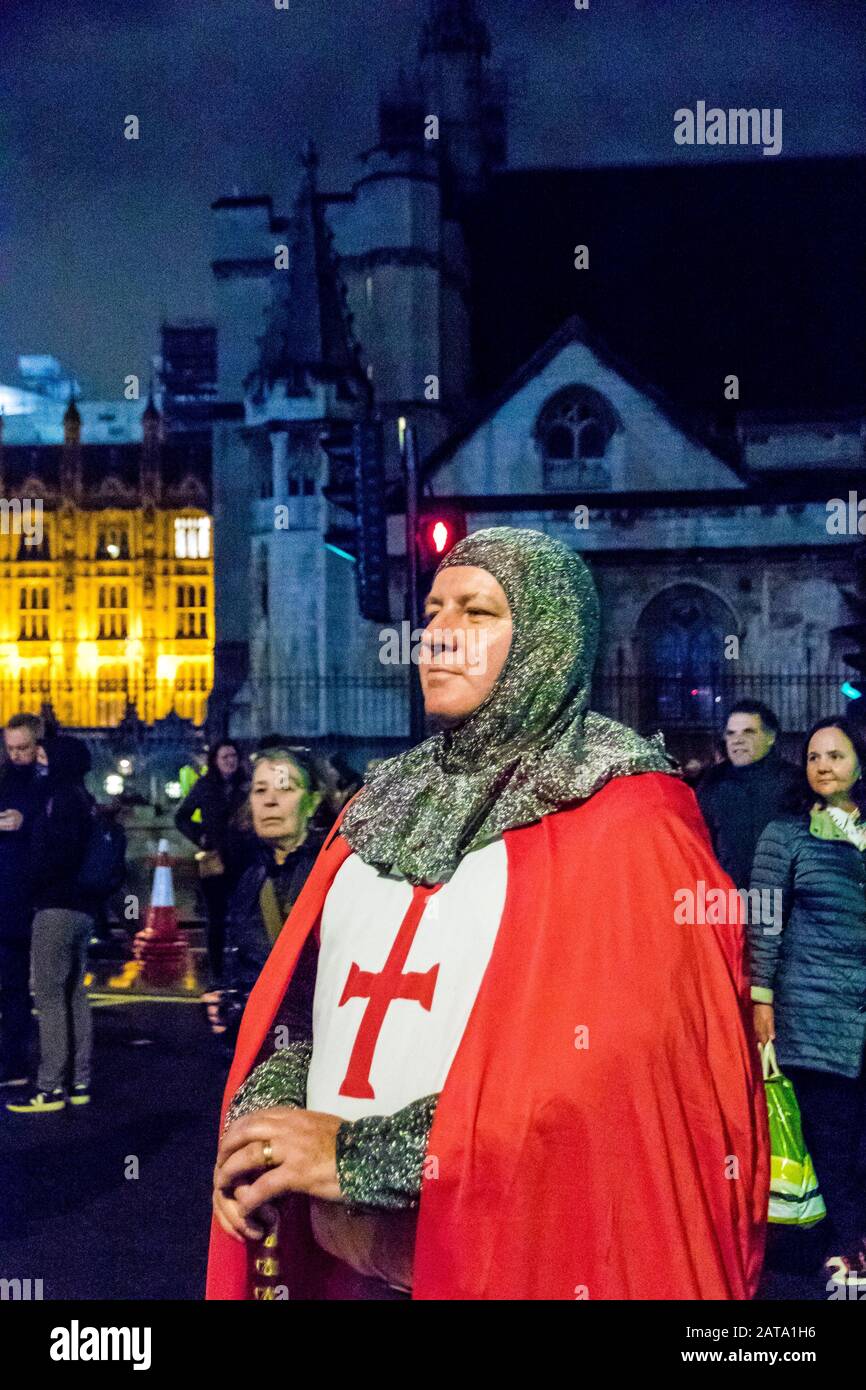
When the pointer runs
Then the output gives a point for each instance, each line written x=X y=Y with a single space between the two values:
x=765 y=1025
x=11 y=820
x=304 y=1148
x=226 y=1209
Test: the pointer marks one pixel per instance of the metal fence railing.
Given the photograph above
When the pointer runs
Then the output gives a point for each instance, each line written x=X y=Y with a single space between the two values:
x=345 y=704
x=648 y=701
x=350 y=706
x=337 y=703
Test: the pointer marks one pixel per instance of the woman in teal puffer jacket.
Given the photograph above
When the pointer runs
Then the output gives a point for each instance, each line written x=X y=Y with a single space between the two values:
x=809 y=972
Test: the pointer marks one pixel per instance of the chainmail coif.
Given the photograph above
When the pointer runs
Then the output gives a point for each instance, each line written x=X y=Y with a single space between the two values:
x=529 y=749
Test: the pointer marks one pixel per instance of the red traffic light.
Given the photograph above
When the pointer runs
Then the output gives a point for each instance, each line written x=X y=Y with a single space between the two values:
x=439 y=533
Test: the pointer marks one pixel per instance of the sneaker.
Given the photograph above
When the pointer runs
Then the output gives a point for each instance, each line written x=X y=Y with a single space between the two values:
x=79 y=1094
x=40 y=1103
x=848 y=1270
x=212 y=1000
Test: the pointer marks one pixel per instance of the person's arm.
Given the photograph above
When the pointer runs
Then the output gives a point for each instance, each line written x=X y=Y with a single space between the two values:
x=183 y=819
x=280 y=1080
x=240 y=970
x=60 y=836
x=380 y=1158
x=773 y=873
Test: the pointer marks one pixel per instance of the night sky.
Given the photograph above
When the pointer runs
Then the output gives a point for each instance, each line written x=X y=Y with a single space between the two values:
x=101 y=237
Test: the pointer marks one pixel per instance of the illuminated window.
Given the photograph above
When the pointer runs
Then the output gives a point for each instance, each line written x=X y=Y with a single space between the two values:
x=112 y=543
x=112 y=692
x=191 y=689
x=113 y=611
x=192 y=537
x=31 y=549
x=191 y=610
x=34 y=604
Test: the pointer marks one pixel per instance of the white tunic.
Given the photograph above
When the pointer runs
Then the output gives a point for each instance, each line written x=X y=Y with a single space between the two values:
x=416 y=1013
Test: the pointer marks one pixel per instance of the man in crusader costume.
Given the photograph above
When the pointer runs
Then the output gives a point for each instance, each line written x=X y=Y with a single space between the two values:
x=484 y=1061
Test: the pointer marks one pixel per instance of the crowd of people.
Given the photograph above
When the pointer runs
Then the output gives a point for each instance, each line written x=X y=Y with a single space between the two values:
x=62 y=857
x=525 y=812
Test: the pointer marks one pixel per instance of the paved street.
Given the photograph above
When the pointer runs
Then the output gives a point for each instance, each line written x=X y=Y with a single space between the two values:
x=69 y=1215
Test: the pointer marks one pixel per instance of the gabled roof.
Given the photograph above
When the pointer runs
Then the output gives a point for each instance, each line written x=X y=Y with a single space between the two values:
x=575 y=330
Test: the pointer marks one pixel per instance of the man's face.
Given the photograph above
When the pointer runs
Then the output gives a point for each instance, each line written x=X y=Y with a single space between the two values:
x=746 y=739
x=279 y=801
x=465 y=643
x=20 y=746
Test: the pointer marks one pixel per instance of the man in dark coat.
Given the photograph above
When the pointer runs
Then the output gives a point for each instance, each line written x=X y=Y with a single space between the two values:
x=751 y=787
x=62 y=927
x=20 y=787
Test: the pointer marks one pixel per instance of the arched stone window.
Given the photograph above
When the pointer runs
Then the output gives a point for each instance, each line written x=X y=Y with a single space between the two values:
x=573 y=432
x=680 y=638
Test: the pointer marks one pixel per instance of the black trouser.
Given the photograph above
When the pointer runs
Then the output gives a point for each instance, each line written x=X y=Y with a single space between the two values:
x=16 y=1024
x=833 y=1110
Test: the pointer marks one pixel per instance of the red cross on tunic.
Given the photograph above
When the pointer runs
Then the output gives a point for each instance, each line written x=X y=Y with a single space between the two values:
x=382 y=989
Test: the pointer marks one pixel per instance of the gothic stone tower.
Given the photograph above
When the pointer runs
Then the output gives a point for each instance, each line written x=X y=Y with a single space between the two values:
x=246 y=235
x=308 y=377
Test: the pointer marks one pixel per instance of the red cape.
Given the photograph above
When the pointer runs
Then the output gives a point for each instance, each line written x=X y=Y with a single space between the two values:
x=626 y=1161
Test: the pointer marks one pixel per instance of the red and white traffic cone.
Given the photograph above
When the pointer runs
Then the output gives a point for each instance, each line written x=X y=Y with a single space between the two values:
x=161 y=947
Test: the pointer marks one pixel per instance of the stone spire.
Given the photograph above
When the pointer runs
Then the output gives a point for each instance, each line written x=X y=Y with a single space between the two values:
x=71 y=424
x=151 y=420
x=466 y=94
x=150 y=470
x=70 y=461
x=455 y=26
x=308 y=330
x=401 y=115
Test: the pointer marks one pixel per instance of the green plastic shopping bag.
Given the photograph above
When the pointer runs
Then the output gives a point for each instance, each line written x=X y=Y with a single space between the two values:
x=794 y=1196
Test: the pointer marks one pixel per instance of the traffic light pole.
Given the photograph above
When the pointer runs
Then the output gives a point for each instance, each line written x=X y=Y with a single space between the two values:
x=410 y=465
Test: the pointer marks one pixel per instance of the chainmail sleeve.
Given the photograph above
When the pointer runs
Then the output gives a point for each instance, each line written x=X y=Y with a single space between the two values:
x=280 y=1080
x=380 y=1158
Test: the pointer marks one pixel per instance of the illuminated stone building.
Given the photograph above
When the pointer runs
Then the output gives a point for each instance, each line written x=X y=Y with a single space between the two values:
x=106 y=577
